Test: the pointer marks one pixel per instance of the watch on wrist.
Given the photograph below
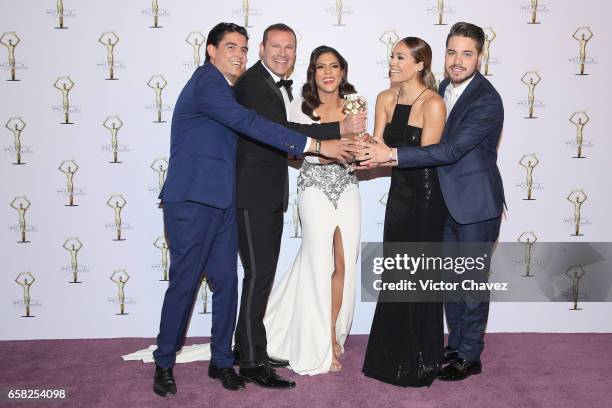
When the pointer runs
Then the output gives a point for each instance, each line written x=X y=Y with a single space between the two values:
x=317 y=149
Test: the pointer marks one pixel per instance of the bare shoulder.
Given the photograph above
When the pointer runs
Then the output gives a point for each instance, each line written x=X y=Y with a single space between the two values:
x=433 y=103
x=386 y=96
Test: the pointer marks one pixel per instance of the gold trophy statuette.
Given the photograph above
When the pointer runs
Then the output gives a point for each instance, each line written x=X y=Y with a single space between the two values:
x=160 y=243
x=161 y=167
x=528 y=239
x=486 y=50
x=204 y=286
x=16 y=125
x=155 y=13
x=582 y=35
x=64 y=84
x=21 y=204
x=117 y=202
x=26 y=284
x=440 y=10
x=245 y=12
x=534 y=12
x=529 y=161
x=158 y=83
x=577 y=198
x=73 y=245
x=295 y=215
x=579 y=119
x=389 y=39
x=120 y=277
x=196 y=39
x=531 y=79
x=59 y=5
x=113 y=124
x=353 y=104
x=339 y=13
x=69 y=168
x=575 y=273
x=109 y=39
x=10 y=40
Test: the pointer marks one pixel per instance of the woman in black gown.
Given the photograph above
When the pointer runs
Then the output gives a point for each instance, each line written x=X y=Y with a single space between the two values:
x=406 y=339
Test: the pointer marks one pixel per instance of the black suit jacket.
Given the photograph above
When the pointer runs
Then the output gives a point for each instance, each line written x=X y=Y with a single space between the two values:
x=262 y=170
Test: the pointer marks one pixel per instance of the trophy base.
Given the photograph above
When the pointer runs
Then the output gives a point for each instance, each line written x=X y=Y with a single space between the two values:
x=579 y=157
x=121 y=314
x=488 y=75
x=164 y=280
x=111 y=79
x=574 y=74
x=204 y=313
x=156 y=26
x=537 y=22
x=159 y=121
x=19 y=164
x=527 y=276
x=115 y=162
x=71 y=205
x=18 y=80
x=28 y=316
x=295 y=236
x=66 y=123
x=529 y=199
x=578 y=308
x=120 y=239
x=61 y=28
x=577 y=235
x=75 y=282
x=530 y=117
x=23 y=242
x=443 y=24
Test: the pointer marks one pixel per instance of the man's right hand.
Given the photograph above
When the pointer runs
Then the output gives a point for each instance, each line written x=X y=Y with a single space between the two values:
x=353 y=124
x=336 y=149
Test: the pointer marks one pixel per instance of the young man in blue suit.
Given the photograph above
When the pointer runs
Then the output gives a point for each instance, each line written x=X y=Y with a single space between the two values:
x=470 y=181
x=199 y=201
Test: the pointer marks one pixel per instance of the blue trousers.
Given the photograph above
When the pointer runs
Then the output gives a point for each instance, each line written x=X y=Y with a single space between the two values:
x=467 y=318
x=201 y=239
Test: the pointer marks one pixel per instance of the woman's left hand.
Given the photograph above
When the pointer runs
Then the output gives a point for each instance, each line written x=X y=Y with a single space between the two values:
x=374 y=154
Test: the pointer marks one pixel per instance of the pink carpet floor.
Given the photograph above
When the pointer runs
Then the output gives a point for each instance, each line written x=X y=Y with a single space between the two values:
x=519 y=370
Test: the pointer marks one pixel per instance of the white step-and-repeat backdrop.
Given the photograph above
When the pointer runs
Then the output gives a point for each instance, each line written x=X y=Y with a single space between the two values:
x=87 y=92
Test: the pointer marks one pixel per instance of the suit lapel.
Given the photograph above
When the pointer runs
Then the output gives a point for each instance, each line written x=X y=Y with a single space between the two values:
x=465 y=97
x=270 y=81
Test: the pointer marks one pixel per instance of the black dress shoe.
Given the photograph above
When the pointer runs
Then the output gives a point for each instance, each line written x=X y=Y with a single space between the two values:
x=276 y=363
x=459 y=369
x=163 y=382
x=230 y=380
x=448 y=354
x=266 y=377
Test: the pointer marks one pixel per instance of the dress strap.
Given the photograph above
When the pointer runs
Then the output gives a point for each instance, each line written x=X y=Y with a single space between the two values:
x=421 y=94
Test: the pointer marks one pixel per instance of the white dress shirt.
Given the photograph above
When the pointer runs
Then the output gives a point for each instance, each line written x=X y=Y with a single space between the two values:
x=452 y=94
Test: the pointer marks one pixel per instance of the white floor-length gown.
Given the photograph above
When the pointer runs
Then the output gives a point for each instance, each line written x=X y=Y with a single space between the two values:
x=298 y=316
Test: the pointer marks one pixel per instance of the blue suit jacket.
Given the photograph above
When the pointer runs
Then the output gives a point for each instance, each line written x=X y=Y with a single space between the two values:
x=205 y=127
x=467 y=154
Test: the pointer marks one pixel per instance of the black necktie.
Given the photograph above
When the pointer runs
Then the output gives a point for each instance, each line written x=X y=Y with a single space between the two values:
x=287 y=84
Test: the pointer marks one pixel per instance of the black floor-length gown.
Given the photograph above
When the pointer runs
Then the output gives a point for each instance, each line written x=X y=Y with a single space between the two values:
x=406 y=338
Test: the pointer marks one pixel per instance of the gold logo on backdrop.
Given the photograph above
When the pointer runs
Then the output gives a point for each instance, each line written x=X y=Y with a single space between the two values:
x=64 y=84
x=339 y=8
x=389 y=38
x=295 y=216
x=155 y=13
x=582 y=35
x=69 y=168
x=579 y=119
x=529 y=161
x=158 y=83
x=440 y=11
x=161 y=167
x=120 y=277
x=577 y=198
x=22 y=280
x=73 y=246
x=16 y=125
x=21 y=205
x=113 y=124
x=160 y=243
x=109 y=39
x=245 y=12
x=486 y=49
x=528 y=239
x=204 y=287
x=59 y=6
x=196 y=39
x=575 y=273
x=10 y=40
x=534 y=12
x=531 y=79
x=117 y=203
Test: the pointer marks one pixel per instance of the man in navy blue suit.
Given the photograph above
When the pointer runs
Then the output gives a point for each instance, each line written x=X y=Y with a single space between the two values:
x=469 y=178
x=199 y=201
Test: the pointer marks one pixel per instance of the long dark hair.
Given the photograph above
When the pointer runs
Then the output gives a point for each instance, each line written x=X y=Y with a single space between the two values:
x=309 y=90
x=421 y=52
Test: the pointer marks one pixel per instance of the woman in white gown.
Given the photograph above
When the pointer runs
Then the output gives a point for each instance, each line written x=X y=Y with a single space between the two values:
x=310 y=311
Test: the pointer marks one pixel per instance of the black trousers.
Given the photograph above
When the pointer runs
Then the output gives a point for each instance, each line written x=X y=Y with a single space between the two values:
x=259 y=239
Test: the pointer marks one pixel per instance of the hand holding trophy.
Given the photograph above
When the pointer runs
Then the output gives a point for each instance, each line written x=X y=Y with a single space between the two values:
x=353 y=105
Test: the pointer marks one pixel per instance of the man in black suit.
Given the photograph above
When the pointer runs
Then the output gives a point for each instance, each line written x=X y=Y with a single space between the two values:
x=262 y=194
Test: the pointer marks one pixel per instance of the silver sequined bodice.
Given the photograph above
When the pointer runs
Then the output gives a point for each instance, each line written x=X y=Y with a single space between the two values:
x=331 y=179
